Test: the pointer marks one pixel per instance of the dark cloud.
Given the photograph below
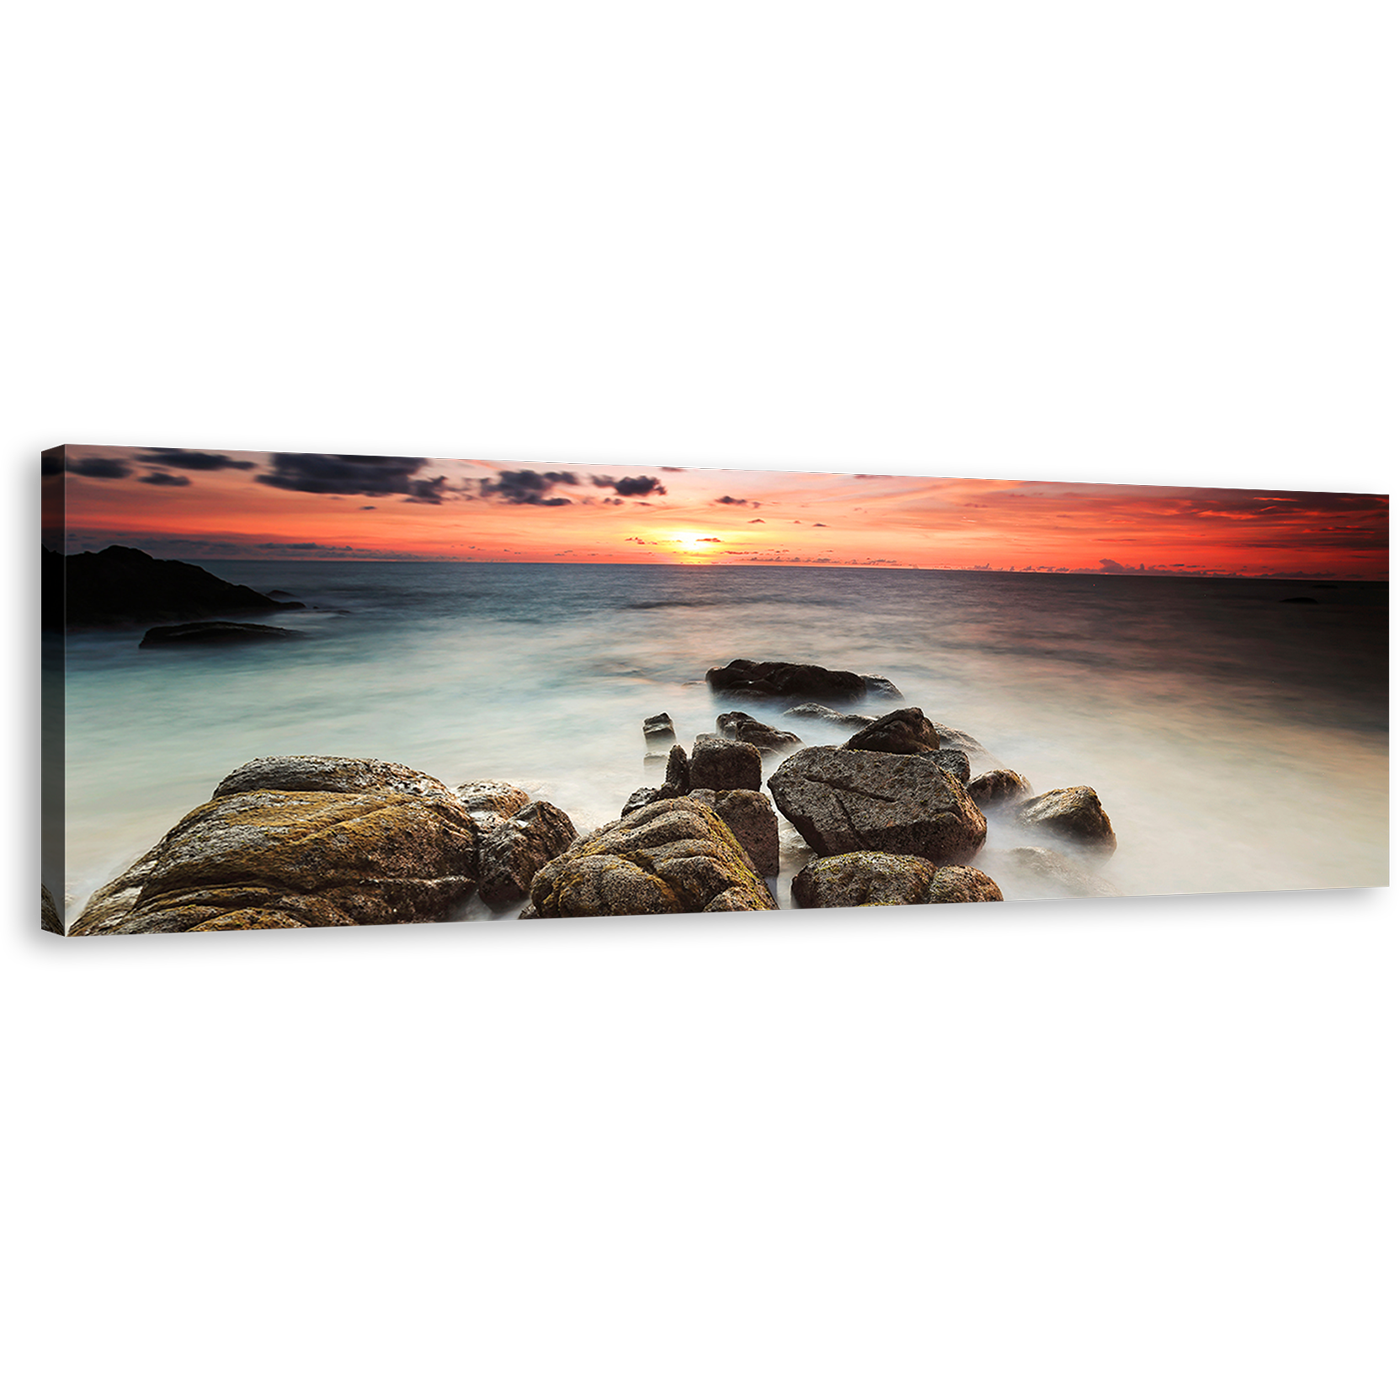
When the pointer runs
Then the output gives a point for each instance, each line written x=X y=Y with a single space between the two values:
x=164 y=479
x=673 y=469
x=428 y=492
x=756 y=522
x=631 y=485
x=51 y=464
x=326 y=475
x=817 y=525
x=710 y=539
x=324 y=548
x=101 y=468
x=527 y=487
x=369 y=507
x=734 y=501
x=190 y=461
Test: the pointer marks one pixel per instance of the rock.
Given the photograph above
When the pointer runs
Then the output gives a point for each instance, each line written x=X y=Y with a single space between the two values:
x=659 y=730
x=1073 y=814
x=961 y=884
x=1036 y=871
x=108 y=909
x=206 y=634
x=812 y=710
x=764 y=737
x=305 y=773
x=751 y=818
x=856 y=800
x=671 y=857
x=642 y=797
x=49 y=918
x=997 y=789
x=950 y=738
x=953 y=761
x=728 y=722
x=881 y=689
x=514 y=849
x=723 y=764
x=488 y=801
x=876 y=877
x=121 y=587
x=900 y=731
x=863 y=877
x=678 y=780
x=304 y=856
x=780 y=680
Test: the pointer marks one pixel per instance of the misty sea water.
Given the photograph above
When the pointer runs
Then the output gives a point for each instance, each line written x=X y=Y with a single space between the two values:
x=1236 y=740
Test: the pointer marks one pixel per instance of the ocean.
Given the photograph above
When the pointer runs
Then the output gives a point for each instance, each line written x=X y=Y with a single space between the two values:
x=1236 y=741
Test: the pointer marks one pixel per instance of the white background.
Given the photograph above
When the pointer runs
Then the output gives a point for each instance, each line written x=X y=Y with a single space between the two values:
x=1159 y=231
x=1155 y=1169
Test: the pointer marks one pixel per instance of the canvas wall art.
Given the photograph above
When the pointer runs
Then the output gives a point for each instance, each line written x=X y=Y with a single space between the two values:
x=302 y=690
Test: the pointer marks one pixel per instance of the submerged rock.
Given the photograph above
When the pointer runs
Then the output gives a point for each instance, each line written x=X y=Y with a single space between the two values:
x=997 y=789
x=728 y=722
x=764 y=737
x=1073 y=814
x=855 y=800
x=671 y=857
x=204 y=634
x=882 y=689
x=1037 y=871
x=659 y=730
x=781 y=680
x=811 y=710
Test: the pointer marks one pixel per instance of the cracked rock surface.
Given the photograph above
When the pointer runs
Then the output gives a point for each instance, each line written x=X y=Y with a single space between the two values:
x=844 y=800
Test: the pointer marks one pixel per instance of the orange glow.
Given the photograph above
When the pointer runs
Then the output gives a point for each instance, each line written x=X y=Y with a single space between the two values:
x=258 y=505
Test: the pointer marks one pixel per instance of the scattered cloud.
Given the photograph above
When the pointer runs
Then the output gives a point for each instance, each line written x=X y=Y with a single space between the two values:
x=100 y=468
x=164 y=479
x=527 y=487
x=188 y=460
x=631 y=485
x=326 y=475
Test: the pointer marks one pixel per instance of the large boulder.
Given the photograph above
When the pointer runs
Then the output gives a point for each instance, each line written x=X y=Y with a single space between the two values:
x=783 y=680
x=900 y=731
x=311 y=773
x=124 y=587
x=513 y=849
x=723 y=764
x=863 y=877
x=305 y=856
x=1074 y=815
x=997 y=789
x=854 y=800
x=750 y=816
x=670 y=857
x=876 y=877
x=953 y=761
x=217 y=634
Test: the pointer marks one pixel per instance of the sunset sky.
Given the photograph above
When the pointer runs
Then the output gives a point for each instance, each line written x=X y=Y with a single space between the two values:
x=179 y=503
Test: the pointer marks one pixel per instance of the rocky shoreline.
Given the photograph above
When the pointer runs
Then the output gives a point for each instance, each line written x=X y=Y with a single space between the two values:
x=890 y=814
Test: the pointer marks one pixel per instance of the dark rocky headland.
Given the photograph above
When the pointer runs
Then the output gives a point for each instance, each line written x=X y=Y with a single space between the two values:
x=122 y=587
x=887 y=813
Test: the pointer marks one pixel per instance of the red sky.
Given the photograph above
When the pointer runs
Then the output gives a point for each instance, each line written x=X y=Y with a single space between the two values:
x=192 y=504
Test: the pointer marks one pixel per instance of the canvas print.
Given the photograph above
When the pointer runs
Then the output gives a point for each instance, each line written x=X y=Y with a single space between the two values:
x=303 y=690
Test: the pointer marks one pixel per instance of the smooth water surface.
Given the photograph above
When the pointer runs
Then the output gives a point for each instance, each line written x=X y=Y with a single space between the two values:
x=1237 y=741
